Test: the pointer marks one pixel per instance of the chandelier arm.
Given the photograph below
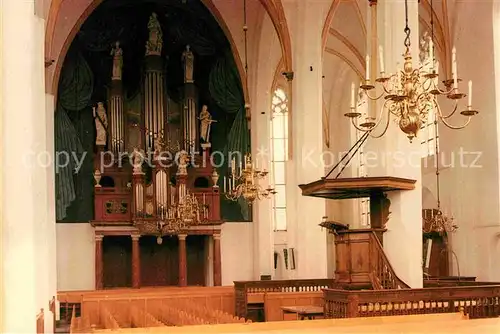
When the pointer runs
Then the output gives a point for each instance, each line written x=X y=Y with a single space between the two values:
x=374 y=98
x=455 y=127
x=380 y=119
x=441 y=116
x=444 y=92
x=357 y=127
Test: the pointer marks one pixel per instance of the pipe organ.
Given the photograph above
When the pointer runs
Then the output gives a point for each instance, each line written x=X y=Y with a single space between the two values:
x=158 y=190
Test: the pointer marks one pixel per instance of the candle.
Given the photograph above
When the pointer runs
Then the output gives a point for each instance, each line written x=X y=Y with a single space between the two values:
x=225 y=184
x=352 y=96
x=381 y=56
x=454 y=68
x=233 y=166
x=367 y=68
x=429 y=249
x=436 y=69
x=470 y=93
x=204 y=202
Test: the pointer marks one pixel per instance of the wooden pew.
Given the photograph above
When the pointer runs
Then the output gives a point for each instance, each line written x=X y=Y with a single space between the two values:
x=431 y=323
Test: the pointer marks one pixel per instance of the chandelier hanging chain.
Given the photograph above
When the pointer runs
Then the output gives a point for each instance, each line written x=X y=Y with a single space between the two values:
x=407 y=29
x=245 y=30
x=436 y=145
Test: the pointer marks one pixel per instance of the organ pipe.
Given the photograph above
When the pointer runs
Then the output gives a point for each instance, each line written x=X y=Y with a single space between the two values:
x=154 y=107
x=117 y=124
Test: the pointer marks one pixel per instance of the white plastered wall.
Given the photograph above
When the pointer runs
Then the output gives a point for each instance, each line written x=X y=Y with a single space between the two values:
x=470 y=157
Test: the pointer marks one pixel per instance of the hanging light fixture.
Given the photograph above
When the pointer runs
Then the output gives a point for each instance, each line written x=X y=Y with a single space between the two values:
x=243 y=181
x=436 y=221
x=411 y=94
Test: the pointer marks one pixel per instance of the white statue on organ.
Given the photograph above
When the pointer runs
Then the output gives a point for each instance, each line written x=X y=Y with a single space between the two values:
x=117 y=54
x=206 y=123
x=137 y=160
x=183 y=163
x=155 y=41
x=101 y=124
x=188 y=61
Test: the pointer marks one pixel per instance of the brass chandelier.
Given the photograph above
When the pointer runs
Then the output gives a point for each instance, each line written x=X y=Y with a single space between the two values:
x=411 y=94
x=244 y=182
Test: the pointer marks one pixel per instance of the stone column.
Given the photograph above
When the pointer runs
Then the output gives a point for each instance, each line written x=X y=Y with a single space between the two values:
x=217 y=261
x=21 y=190
x=136 y=262
x=99 y=264
x=182 y=260
x=394 y=155
x=306 y=163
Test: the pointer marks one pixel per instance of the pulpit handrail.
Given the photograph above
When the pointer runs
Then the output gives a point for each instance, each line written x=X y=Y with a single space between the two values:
x=382 y=269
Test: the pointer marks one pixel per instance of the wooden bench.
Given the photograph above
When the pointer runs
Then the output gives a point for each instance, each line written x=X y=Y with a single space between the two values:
x=431 y=323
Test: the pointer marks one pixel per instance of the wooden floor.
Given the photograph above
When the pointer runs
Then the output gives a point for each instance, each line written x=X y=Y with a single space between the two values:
x=438 y=323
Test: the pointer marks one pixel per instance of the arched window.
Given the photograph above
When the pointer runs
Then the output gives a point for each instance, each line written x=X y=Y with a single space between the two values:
x=428 y=134
x=279 y=156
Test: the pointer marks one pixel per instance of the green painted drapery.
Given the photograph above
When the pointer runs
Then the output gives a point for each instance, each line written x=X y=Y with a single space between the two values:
x=75 y=91
x=225 y=88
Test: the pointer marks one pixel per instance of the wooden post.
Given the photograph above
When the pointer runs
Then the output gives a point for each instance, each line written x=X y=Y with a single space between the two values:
x=379 y=212
x=217 y=261
x=98 y=262
x=182 y=260
x=136 y=262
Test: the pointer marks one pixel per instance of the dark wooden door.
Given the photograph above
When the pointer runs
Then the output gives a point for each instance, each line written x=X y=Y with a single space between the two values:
x=117 y=257
x=159 y=263
x=196 y=255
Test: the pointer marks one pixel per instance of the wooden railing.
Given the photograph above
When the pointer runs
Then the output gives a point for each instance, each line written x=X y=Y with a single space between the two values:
x=384 y=276
x=476 y=302
x=40 y=322
x=243 y=288
x=432 y=283
x=79 y=324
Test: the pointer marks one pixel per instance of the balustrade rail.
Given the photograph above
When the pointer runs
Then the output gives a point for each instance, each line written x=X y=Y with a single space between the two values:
x=384 y=276
x=243 y=288
x=475 y=301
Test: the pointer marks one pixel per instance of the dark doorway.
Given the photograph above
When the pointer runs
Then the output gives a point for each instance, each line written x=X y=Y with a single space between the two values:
x=195 y=245
x=159 y=263
x=117 y=258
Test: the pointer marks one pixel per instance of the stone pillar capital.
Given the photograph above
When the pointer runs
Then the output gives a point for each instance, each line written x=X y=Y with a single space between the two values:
x=182 y=236
x=99 y=237
x=135 y=237
x=216 y=236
